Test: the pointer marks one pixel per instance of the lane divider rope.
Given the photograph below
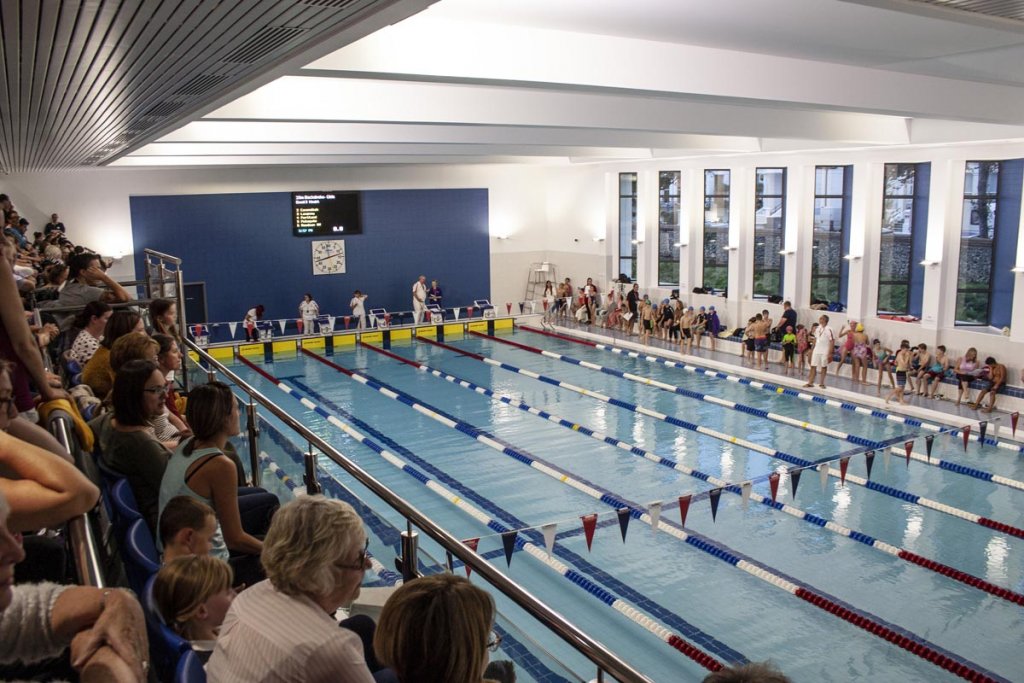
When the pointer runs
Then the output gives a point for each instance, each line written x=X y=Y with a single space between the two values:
x=833 y=605
x=774 y=417
x=602 y=594
x=750 y=445
x=786 y=391
x=871 y=542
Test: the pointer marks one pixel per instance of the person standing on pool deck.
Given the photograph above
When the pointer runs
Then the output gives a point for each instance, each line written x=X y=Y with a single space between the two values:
x=358 y=309
x=419 y=299
x=309 y=309
x=632 y=300
x=824 y=344
x=434 y=294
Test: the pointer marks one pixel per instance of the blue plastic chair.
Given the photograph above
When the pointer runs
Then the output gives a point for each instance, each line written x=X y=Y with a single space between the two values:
x=142 y=560
x=124 y=503
x=166 y=648
x=110 y=476
x=190 y=669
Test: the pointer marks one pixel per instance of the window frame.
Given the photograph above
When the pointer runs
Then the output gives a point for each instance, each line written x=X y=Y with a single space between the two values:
x=843 y=198
x=632 y=241
x=671 y=230
x=994 y=199
x=912 y=197
x=728 y=222
x=759 y=197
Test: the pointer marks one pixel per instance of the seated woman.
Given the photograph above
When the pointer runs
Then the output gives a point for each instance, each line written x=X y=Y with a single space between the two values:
x=437 y=630
x=97 y=372
x=199 y=468
x=283 y=629
x=140 y=346
x=105 y=628
x=164 y=315
x=192 y=595
x=90 y=322
x=126 y=438
x=168 y=357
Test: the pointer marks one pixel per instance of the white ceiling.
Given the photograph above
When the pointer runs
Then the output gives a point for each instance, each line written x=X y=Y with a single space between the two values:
x=575 y=81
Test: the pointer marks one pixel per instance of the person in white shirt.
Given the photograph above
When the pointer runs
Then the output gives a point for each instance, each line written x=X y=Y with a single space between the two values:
x=419 y=299
x=283 y=628
x=308 y=311
x=824 y=344
x=251 y=317
x=358 y=309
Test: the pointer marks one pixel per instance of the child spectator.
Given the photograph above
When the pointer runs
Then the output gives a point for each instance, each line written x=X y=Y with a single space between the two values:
x=903 y=360
x=192 y=595
x=187 y=526
x=788 y=348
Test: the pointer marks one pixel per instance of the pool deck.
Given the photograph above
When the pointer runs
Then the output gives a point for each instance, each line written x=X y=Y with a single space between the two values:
x=727 y=359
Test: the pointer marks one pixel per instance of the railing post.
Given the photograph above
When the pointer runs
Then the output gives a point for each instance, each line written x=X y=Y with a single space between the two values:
x=254 y=441
x=409 y=561
x=309 y=477
x=182 y=320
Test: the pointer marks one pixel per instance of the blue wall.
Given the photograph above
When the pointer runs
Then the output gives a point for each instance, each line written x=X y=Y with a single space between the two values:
x=1008 y=206
x=241 y=246
x=922 y=188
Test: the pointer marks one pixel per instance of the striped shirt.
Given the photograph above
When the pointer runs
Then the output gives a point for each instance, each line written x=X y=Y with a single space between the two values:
x=270 y=637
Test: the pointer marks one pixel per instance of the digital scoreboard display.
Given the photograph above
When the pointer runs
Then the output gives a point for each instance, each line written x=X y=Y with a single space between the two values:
x=320 y=214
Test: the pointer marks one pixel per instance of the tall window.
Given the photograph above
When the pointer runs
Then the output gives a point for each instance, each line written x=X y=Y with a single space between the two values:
x=716 y=228
x=769 y=221
x=627 y=224
x=895 y=260
x=831 y=239
x=977 y=243
x=668 y=228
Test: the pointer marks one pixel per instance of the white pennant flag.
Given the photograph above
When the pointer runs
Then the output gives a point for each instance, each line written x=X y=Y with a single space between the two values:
x=823 y=471
x=549 y=536
x=654 y=510
x=456 y=311
x=231 y=327
x=745 y=488
x=330 y=321
x=282 y=323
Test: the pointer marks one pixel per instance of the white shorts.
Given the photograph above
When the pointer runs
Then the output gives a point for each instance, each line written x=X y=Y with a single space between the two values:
x=819 y=360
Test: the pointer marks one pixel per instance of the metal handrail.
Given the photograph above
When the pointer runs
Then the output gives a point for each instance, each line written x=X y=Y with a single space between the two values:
x=606 y=660
x=162 y=256
x=84 y=548
x=78 y=309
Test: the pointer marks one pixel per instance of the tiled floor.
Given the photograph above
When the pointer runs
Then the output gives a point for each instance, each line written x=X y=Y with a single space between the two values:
x=841 y=386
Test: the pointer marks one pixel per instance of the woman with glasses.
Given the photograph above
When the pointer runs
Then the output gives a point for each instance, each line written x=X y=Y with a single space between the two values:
x=199 y=468
x=283 y=629
x=437 y=629
x=126 y=437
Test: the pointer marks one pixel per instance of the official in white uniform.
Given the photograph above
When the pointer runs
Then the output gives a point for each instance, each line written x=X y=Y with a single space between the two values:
x=308 y=311
x=419 y=299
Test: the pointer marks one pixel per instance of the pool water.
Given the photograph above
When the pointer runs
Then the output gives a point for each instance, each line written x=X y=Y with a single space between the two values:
x=724 y=611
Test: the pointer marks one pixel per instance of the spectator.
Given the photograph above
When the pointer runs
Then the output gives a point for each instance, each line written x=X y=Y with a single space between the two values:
x=358 y=306
x=437 y=629
x=994 y=377
x=187 y=526
x=282 y=628
x=935 y=372
x=755 y=672
x=309 y=311
x=192 y=595
x=167 y=427
x=163 y=313
x=54 y=226
x=91 y=322
x=200 y=468
x=168 y=357
x=104 y=628
x=98 y=373
x=127 y=440
x=419 y=299
x=821 y=356
x=55 y=275
x=252 y=316
x=43 y=489
x=85 y=275
x=966 y=371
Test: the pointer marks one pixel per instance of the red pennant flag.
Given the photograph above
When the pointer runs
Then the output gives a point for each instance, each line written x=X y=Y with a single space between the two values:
x=714 y=495
x=909 y=448
x=472 y=544
x=347 y=319
x=428 y=316
x=928 y=441
x=843 y=463
x=967 y=435
x=589 y=524
x=982 y=428
x=773 y=482
x=508 y=307
x=1014 y=416
x=508 y=540
x=469 y=311
x=795 y=476
x=545 y=302
x=623 y=522
x=869 y=460
x=684 y=507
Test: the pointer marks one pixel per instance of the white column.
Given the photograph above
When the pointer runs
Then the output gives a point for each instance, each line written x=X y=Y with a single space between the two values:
x=741 y=233
x=1017 y=315
x=945 y=203
x=691 y=230
x=865 y=229
x=611 y=226
x=799 y=234
x=647 y=229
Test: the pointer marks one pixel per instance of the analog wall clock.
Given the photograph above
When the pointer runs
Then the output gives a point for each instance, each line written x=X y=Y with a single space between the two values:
x=328 y=257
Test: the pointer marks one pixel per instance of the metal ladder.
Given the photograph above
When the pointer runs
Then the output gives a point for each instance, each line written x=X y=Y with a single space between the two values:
x=540 y=273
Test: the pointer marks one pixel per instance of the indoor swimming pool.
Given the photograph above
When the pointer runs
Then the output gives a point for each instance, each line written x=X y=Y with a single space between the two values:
x=899 y=575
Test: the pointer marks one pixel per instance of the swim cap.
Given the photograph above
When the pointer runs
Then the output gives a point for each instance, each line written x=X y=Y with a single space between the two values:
x=860 y=328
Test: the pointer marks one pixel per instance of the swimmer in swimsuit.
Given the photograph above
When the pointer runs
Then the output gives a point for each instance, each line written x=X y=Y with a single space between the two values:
x=903 y=360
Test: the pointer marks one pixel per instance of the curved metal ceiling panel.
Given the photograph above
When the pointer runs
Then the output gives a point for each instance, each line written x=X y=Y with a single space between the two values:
x=82 y=81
